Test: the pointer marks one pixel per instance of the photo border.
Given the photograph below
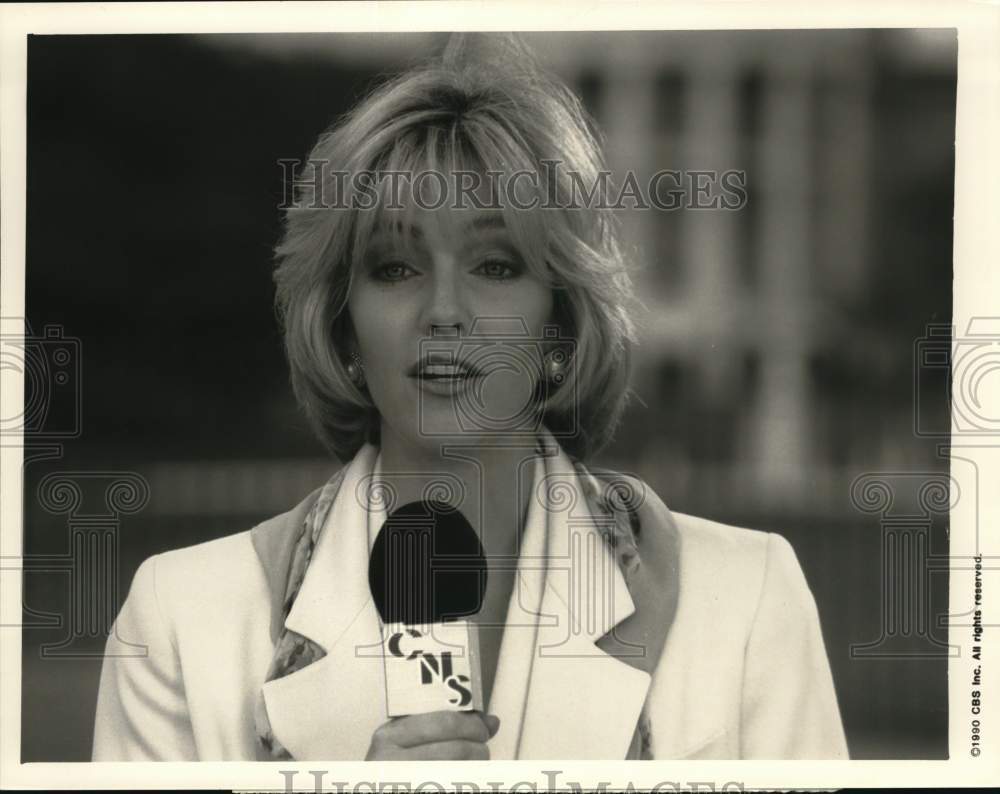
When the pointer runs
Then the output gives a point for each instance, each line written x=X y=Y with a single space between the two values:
x=977 y=278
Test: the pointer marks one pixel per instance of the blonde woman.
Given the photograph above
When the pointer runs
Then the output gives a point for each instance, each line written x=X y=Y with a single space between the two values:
x=465 y=325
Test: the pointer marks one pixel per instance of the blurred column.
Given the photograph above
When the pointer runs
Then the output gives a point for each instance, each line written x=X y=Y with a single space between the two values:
x=844 y=168
x=709 y=240
x=627 y=119
x=781 y=421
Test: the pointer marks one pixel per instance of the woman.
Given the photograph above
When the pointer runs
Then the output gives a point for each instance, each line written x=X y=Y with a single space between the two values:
x=463 y=330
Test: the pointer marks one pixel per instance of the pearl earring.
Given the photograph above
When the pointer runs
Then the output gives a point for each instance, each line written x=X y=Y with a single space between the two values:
x=555 y=366
x=356 y=371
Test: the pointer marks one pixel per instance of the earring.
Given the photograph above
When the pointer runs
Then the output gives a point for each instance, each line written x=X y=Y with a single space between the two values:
x=356 y=371
x=555 y=367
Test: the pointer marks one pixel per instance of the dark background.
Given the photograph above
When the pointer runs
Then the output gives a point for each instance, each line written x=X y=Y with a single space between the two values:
x=779 y=342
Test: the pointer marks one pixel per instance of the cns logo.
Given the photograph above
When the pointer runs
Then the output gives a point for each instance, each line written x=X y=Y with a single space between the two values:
x=434 y=667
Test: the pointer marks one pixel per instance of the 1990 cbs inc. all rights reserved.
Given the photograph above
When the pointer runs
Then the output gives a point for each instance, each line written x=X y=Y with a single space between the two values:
x=976 y=699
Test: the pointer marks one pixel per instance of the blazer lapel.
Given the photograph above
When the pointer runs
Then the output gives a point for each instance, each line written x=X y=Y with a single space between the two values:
x=588 y=683
x=329 y=709
x=274 y=542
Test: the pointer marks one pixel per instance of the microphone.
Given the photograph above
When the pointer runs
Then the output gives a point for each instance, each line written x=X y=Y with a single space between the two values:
x=428 y=570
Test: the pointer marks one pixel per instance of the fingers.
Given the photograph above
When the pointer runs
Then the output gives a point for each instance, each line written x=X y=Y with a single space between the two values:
x=452 y=750
x=438 y=735
x=492 y=723
x=437 y=727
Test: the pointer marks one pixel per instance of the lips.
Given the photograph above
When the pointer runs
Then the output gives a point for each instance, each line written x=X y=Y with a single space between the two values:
x=438 y=372
x=442 y=367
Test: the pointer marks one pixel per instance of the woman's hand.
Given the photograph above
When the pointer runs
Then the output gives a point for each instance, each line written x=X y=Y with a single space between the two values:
x=435 y=736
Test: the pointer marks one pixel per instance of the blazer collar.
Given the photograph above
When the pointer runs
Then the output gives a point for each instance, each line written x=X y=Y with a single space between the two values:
x=582 y=703
x=586 y=666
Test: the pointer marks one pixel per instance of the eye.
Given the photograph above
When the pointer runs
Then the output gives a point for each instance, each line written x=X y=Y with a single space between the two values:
x=498 y=269
x=393 y=271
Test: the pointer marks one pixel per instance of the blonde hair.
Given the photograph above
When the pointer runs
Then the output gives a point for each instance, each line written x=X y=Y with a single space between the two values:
x=483 y=105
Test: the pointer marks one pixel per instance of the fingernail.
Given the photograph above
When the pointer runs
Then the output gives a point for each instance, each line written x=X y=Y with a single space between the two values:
x=492 y=722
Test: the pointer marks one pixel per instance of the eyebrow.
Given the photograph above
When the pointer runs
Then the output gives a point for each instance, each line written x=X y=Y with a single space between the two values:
x=493 y=221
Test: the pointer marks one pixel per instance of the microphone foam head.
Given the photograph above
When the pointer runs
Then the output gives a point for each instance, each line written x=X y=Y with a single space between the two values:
x=427 y=565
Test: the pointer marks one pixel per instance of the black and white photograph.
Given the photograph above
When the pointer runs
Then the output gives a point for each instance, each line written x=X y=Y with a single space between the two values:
x=448 y=392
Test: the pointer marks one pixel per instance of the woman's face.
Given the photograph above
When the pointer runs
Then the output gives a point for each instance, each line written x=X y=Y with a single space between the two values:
x=449 y=329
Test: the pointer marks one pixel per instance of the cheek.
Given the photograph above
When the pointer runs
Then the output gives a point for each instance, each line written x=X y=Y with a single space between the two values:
x=384 y=341
x=373 y=320
x=537 y=307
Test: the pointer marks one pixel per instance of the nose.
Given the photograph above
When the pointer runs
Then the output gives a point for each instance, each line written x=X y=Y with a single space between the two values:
x=446 y=304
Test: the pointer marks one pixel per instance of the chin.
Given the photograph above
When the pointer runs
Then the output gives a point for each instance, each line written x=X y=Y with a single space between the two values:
x=433 y=435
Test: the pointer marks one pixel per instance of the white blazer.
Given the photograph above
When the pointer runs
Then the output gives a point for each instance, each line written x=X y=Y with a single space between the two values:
x=742 y=672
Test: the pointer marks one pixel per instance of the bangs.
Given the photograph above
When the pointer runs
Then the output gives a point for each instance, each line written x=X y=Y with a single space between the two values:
x=464 y=165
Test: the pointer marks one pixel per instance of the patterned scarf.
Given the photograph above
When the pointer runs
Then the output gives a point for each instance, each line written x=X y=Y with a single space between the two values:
x=609 y=505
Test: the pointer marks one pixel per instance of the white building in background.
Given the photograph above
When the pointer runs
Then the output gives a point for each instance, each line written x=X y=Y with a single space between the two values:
x=739 y=301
